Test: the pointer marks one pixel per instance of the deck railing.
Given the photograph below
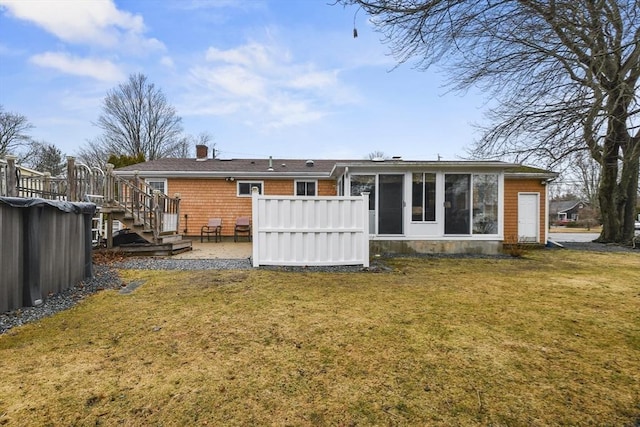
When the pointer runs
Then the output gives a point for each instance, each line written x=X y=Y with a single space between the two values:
x=84 y=181
x=148 y=208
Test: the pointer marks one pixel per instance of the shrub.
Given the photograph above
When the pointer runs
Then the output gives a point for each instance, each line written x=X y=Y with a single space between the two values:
x=514 y=246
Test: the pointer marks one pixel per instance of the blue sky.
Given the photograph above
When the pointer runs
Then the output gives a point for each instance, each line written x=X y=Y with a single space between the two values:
x=264 y=77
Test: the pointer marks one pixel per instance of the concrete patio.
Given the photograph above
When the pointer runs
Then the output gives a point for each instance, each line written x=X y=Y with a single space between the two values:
x=220 y=250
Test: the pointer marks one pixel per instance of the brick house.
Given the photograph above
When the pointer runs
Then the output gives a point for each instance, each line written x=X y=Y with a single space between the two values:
x=415 y=206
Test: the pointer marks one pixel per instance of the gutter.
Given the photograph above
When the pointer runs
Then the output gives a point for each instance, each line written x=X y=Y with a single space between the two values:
x=237 y=175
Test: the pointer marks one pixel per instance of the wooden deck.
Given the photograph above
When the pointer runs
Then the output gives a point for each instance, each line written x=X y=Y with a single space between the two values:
x=151 y=249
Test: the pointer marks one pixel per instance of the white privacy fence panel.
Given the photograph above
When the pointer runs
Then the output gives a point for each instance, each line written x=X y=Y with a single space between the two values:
x=310 y=231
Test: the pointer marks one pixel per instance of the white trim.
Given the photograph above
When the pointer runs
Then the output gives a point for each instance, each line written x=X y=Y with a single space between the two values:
x=546 y=214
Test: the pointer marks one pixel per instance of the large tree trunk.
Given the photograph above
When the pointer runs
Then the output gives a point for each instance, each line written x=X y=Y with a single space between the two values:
x=608 y=195
x=618 y=193
x=629 y=190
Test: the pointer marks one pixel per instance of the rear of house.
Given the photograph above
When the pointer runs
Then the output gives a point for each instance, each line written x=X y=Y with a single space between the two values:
x=414 y=206
x=221 y=188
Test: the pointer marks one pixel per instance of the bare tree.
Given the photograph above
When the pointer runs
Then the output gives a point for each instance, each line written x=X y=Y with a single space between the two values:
x=14 y=130
x=45 y=157
x=94 y=154
x=586 y=173
x=137 y=120
x=564 y=75
x=189 y=143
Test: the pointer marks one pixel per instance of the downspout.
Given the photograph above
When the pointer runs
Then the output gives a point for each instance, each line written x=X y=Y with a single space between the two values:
x=345 y=176
x=546 y=211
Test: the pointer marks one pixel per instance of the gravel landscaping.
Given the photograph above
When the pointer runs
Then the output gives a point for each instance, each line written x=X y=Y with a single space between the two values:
x=104 y=278
x=598 y=247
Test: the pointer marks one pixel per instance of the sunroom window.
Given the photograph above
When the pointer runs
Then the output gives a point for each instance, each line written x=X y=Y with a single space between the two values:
x=471 y=204
x=485 y=204
x=423 y=197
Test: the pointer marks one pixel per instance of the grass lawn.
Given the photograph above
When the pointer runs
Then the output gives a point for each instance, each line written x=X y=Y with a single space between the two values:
x=551 y=339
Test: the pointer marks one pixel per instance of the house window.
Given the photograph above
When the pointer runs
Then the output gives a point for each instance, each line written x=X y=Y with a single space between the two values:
x=423 y=197
x=471 y=204
x=157 y=184
x=457 y=192
x=485 y=204
x=244 y=188
x=305 y=188
x=366 y=184
x=363 y=184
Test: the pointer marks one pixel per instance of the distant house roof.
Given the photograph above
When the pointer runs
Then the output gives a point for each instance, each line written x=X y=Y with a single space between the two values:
x=562 y=206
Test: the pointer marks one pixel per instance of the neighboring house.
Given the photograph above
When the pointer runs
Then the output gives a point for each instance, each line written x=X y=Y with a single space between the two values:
x=563 y=211
x=415 y=206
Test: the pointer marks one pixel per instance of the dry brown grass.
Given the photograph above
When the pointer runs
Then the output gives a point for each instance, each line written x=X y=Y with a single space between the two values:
x=551 y=339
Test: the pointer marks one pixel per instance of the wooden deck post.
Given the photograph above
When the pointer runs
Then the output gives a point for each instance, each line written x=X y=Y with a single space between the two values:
x=46 y=185
x=176 y=201
x=157 y=216
x=71 y=179
x=12 y=176
x=136 y=195
x=108 y=185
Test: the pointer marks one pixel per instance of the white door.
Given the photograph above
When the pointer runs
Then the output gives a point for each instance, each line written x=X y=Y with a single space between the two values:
x=528 y=214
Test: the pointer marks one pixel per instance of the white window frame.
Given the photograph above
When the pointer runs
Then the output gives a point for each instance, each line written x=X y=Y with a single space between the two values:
x=260 y=183
x=148 y=181
x=306 y=181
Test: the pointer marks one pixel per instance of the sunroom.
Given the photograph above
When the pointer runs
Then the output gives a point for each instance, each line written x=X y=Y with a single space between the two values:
x=429 y=206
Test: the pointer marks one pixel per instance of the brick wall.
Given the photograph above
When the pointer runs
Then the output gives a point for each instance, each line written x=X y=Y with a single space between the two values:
x=511 y=189
x=202 y=199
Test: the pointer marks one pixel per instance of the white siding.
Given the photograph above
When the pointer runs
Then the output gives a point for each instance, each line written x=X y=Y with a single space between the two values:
x=310 y=231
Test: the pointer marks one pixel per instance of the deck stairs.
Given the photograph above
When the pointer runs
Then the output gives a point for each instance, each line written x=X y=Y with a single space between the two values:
x=144 y=210
x=131 y=203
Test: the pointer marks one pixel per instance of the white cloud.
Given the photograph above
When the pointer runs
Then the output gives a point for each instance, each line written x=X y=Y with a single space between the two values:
x=250 y=55
x=96 y=68
x=167 y=61
x=315 y=79
x=4 y=50
x=95 y=22
x=266 y=85
x=218 y=4
x=231 y=81
x=287 y=112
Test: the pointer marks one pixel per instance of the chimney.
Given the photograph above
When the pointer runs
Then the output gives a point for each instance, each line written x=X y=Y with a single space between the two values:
x=202 y=152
